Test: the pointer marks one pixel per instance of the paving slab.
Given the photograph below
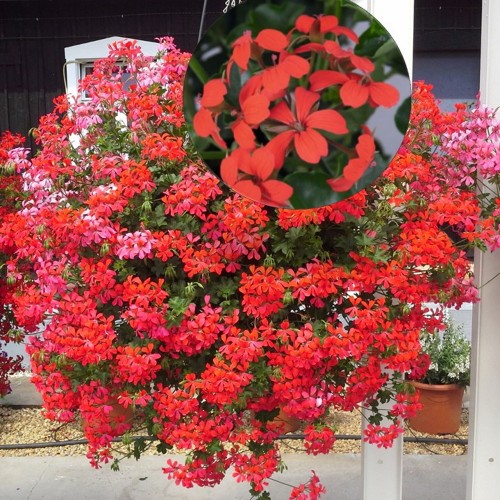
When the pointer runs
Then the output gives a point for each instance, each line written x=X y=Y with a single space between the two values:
x=58 y=478
x=54 y=478
x=23 y=392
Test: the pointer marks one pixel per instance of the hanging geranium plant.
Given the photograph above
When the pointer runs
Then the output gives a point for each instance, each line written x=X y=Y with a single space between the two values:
x=207 y=313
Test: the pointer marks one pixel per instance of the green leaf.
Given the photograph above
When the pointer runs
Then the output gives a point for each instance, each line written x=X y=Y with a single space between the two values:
x=386 y=49
x=280 y=17
x=198 y=70
x=372 y=39
x=356 y=116
x=163 y=447
x=140 y=445
x=373 y=173
x=377 y=44
x=234 y=90
x=177 y=308
x=402 y=116
x=311 y=190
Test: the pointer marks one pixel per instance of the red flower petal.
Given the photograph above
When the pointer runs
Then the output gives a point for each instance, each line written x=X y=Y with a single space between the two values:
x=270 y=39
x=213 y=93
x=243 y=134
x=249 y=189
x=255 y=109
x=218 y=139
x=329 y=120
x=362 y=63
x=252 y=86
x=295 y=66
x=278 y=146
x=340 y=184
x=309 y=47
x=324 y=78
x=384 y=94
x=310 y=145
x=304 y=101
x=281 y=113
x=203 y=123
x=355 y=169
x=262 y=163
x=229 y=170
x=304 y=23
x=342 y=30
x=335 y=49
x=327 y=23
x=242 y=158
x=277 y=191
x=275 y=79
x=353 y=94
x=365 y=147
x=241 y=50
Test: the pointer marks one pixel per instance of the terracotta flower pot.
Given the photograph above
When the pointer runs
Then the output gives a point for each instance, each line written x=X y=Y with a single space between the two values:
x=442 y=408
x=287 y=423
x=118 y=415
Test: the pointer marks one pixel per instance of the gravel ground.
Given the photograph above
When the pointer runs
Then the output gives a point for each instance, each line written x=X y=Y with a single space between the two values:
x=28 y=426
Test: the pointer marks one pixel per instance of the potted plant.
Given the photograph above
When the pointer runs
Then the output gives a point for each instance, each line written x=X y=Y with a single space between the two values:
x=208 y=313
x=442 y=388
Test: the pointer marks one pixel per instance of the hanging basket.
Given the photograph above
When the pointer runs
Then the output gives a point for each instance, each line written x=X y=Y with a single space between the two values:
x=442 y=408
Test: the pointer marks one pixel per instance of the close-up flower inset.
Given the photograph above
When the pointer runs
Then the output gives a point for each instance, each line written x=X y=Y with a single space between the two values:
x=284 y=100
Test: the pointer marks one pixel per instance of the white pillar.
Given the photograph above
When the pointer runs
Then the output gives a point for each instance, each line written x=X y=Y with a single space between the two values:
x=483 y=474
x=382 y=469
x=397 y=18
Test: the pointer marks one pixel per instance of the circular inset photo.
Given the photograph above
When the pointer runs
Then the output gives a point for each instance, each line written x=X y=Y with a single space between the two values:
x=297 y=104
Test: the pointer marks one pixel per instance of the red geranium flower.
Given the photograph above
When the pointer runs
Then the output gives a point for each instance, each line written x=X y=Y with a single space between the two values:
x=254 y=110
x=267 y=39
x=205 y=126
x=356 y=167
x=272 y=40
x=355 y=92
x=277 y=78
x=213 y=93
x=362 y=63
x=302 y=127
x=256 y=184
x=323 y=24
x=242 y=48
x=324 y=78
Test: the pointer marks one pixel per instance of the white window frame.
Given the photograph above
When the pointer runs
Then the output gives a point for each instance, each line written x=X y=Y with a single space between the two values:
x=79 y=57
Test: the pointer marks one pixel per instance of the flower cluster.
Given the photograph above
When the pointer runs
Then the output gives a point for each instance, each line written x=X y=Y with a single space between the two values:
x=449 y=356
x=12 y=154
x=208 y=314
x=295 y=92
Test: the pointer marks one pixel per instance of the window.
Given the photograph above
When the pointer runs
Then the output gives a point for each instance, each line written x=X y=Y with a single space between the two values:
x=80 y=60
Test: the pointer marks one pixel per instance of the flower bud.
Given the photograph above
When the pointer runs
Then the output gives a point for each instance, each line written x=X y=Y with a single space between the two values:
x=104 y=250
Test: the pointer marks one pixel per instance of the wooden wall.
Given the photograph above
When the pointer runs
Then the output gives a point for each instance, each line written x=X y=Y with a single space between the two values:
x=33 y=35
x=447 y=25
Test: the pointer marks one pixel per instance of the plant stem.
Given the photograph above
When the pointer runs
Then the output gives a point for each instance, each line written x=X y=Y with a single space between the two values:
x=489 y=281
x=198 y=70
